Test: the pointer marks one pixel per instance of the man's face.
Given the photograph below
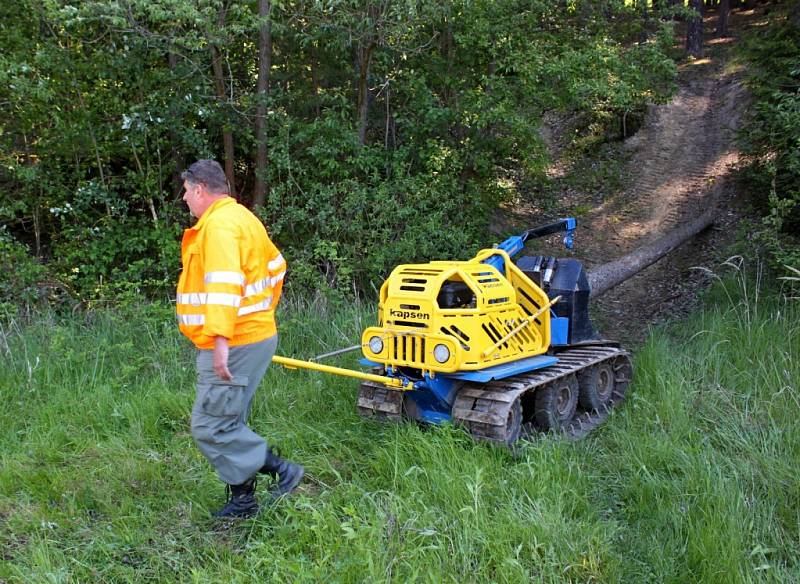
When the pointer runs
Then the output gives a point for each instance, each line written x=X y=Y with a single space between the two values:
x=194 y=197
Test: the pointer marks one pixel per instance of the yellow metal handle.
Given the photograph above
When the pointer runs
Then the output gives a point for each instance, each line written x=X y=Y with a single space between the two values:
x=298 y=364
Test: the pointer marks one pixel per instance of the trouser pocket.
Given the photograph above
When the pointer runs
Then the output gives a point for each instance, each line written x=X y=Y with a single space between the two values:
x=224 y=398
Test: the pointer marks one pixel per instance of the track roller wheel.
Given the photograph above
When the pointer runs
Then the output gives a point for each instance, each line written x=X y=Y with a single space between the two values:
x=596 y=386
x=555 y=403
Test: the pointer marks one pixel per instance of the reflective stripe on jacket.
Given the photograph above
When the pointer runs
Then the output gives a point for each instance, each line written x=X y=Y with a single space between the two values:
x=231 y=280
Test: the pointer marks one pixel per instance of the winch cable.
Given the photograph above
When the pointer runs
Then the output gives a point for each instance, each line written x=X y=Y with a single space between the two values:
x=337 y=352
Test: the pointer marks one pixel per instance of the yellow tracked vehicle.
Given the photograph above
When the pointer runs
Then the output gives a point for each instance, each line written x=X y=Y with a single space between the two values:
x=499 y=347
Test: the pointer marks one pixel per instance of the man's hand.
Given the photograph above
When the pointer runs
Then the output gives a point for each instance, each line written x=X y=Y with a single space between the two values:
x=221 y=358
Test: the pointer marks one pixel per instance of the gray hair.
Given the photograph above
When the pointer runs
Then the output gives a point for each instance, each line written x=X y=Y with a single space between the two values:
x=208 y=173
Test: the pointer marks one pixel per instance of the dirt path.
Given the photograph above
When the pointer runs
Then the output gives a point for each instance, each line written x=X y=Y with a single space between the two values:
x=679 y=165
x=682 y=155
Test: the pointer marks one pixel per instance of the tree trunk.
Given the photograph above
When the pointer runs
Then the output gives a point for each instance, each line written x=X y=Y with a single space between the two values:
x=448 y=87
x=315 y=82
x=694 y=30
x=222 y=95
x=388 y=116
x=645 y=20
x=178 y=160
x=606 y=276
x=722 y=22
x=264 y=64
x=447 y=52
x=37 y=228
x=794 y=15
x=364 y=58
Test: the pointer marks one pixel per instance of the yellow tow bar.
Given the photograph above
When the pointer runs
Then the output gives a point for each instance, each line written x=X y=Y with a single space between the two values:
x=298 y=364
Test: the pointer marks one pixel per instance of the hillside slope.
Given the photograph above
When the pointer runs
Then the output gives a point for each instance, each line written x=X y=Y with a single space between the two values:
x=679 y=164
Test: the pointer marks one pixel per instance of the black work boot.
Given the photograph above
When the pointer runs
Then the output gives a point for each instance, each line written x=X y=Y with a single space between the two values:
x=241 y=501
x=287 y=474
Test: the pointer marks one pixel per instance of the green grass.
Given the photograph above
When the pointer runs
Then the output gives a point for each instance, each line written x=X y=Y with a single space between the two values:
x=694 y=479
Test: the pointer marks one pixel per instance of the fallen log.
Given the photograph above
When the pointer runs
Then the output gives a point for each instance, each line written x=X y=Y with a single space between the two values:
x=606 y=276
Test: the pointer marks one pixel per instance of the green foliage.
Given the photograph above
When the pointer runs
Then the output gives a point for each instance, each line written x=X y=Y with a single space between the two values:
x=103 y=103
x=340 y=220
x=771 y=136
x=693 y=479
x=105 y=255
x=20 y=277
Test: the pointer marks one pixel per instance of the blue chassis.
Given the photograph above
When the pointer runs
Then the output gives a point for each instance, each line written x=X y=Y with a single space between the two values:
x=434 y=397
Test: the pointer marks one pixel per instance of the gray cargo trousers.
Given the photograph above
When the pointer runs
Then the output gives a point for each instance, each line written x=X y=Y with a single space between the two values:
x=221 y=408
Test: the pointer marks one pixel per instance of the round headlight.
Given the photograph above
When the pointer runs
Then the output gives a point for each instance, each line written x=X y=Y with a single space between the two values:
x=441 y=353
x=376 y=345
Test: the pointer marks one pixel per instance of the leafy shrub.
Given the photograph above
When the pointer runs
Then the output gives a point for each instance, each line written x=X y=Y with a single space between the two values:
x=115 y=256
x=771 y=136
x=20 y=276
x=350 y=212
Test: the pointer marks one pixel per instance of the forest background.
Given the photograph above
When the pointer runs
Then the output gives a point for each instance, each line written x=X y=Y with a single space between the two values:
x=364 y=133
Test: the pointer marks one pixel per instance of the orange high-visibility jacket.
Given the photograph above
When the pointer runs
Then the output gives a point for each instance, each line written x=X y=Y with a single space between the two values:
x=231 y=280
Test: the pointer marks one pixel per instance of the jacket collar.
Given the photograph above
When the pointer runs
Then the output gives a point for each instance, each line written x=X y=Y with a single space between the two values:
x=218 y=204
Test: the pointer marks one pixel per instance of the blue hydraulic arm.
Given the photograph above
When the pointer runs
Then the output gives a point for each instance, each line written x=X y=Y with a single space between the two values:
x=516 y=243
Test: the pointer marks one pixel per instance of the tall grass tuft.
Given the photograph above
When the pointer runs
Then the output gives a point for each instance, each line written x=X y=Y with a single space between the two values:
x=693 y=479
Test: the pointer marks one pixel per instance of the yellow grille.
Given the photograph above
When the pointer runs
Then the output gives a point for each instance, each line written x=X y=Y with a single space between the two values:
x=410 y=349
x=407 y=349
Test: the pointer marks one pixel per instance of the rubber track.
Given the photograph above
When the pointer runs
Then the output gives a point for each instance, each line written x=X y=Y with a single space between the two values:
x=484 y=409
x=375 y=400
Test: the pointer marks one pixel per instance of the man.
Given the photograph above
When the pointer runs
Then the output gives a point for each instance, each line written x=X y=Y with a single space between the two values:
x=227 y=293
